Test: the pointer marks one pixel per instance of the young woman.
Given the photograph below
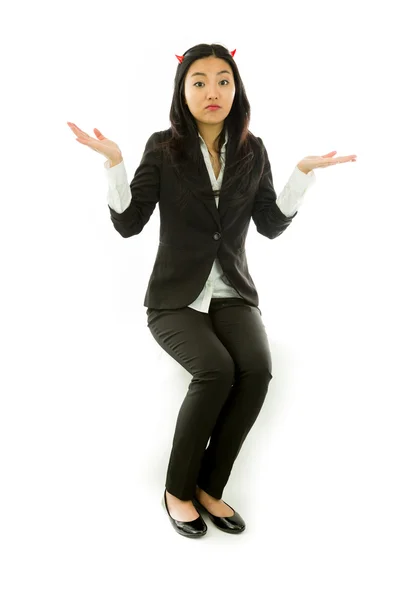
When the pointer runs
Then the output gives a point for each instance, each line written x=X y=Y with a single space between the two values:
x=210 y=176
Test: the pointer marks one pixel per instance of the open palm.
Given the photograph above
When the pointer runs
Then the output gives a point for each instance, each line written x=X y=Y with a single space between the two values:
x=99 y=144
x=326 y=160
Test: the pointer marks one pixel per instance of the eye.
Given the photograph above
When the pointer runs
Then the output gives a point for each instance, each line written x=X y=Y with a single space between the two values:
x=203 y=82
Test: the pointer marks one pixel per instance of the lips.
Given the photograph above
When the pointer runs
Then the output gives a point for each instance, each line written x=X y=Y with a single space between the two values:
x=213 y=106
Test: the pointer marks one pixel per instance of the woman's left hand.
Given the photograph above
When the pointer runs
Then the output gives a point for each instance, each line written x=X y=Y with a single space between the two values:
x=309 y=163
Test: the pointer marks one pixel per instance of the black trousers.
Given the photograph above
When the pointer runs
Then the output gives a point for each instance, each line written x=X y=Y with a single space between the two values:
x=227 y=352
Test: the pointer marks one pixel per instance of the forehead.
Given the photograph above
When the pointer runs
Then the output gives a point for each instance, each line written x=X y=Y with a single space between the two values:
x=210 y=66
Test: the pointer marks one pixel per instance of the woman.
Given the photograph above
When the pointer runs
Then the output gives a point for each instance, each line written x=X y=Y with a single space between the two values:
x=210 y=176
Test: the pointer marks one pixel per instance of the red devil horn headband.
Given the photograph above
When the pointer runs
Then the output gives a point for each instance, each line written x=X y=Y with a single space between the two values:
x=180 y=58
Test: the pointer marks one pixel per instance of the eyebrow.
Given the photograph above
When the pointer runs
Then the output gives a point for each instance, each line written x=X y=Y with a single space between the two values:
x=204 y=74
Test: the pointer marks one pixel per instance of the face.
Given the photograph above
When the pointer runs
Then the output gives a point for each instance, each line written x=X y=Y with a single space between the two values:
x=209 y=81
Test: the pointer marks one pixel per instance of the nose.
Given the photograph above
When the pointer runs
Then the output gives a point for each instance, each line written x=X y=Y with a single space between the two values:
x=212 y=91
x=212 y=95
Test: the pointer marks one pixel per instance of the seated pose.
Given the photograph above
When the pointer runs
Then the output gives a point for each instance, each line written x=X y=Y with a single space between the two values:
x=209 y=176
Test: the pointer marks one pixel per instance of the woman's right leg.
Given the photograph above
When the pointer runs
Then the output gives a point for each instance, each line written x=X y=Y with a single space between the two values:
x=188 y=336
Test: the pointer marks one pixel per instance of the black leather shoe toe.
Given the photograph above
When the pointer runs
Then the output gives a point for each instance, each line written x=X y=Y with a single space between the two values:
x=193 y=529
x=233 y=524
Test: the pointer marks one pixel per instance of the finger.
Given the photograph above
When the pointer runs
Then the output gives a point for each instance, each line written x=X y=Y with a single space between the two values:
x=340 y=160
x=329 y=154
x=73 y=126
x=98 y=133
x=77 y=130
x=344 y=158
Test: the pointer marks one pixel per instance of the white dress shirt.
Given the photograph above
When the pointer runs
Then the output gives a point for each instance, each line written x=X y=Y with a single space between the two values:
x=217 y=285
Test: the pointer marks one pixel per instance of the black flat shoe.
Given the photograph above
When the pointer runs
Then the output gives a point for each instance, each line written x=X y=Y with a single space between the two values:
x=193 y=529
x=233 y=524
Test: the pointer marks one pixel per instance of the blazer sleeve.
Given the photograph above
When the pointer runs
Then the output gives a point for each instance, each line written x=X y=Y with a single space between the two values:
x=145 y=193
x=267 y=216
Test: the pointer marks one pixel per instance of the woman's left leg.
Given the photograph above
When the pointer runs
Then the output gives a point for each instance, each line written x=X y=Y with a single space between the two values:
x=240 y=328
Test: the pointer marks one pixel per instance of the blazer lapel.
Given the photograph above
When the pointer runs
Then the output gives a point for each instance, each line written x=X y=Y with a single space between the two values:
x=223 y=204
x=209 y=201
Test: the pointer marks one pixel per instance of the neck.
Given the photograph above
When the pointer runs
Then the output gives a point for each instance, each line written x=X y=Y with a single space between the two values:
x=209 y=133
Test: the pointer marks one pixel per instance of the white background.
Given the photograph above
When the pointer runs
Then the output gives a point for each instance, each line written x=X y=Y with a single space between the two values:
x=89 y=400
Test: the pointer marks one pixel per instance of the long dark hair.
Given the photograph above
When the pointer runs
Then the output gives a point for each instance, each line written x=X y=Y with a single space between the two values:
x=182 y=146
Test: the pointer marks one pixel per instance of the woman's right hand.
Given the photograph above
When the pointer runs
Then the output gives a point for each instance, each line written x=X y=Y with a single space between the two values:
x=102 y=145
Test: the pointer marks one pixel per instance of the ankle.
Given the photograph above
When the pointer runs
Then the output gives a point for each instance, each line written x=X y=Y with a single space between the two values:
x=202 y=494
x=175 y=499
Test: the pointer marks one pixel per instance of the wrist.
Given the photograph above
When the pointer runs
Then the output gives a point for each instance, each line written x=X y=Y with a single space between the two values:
x=115 y=161
x=303 y=169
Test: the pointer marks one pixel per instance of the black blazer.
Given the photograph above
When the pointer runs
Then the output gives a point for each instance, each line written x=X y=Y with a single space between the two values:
x=191 y=239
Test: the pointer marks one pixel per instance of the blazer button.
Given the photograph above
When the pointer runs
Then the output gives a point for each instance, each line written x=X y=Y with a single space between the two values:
x=216 y=235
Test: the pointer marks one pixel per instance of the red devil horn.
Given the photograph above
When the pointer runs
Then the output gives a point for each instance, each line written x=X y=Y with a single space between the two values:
x=233 y=52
